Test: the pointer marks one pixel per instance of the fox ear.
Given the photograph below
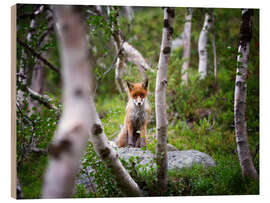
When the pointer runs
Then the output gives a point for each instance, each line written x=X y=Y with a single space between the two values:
x=130 y=86
x=145 y=84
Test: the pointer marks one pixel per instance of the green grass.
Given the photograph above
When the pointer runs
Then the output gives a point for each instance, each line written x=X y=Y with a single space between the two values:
x=31 y=176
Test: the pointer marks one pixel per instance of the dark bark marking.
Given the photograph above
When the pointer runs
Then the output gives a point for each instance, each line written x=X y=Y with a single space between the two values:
x=104 y=152
x=164 y=82
x=170 y=30
x=202 y=52
x=166 y=50
x=170 y=12
x=56 y=149
x=166 y=23
x=96 y=129
x=78 y=92
x=246 y=27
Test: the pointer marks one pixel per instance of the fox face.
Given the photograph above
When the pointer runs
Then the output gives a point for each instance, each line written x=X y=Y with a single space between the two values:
x=138 y=92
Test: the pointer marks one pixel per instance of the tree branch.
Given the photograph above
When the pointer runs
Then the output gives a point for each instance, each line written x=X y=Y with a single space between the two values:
x=43 y=99
x=38 y=55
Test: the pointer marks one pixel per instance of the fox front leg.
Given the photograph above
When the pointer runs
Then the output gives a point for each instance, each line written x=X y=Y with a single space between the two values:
x=141 y=142
x=130 y=136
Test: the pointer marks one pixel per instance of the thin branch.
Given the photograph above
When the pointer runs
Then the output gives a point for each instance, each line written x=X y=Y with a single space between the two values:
x=43 y=99
x=38 y=55
x=109 y=69
x=25 y=117
x=42 y=37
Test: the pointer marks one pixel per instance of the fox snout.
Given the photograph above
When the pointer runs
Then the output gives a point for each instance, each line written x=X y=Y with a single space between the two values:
x=138 y=102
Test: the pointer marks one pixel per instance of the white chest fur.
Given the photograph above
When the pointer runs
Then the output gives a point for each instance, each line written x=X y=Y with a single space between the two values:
x=138 y=117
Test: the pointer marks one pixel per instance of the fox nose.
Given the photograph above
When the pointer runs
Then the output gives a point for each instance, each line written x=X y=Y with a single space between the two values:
x=139 y=103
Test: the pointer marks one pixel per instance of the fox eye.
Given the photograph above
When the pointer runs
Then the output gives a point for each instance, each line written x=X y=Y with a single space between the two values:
x=141 y=95
x=134 y=95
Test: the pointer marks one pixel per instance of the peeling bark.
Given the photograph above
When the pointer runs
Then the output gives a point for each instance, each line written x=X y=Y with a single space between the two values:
x=186 y=43
x=160 y=100
x=245 y=158
x=202 y=49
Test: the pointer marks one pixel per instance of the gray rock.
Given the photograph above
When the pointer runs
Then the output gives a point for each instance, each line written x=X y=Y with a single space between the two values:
x=176 y=160
x=186 y=159
x=141 y=157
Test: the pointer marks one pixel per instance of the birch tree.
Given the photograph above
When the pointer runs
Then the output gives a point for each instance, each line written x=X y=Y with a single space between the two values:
x=38 y=74
x=79 y=117
x=245 y=158
x=214 y=48
x=202 y=49
x=126 y=52
x=160 y=100
x=22 y=71
x=186 y=40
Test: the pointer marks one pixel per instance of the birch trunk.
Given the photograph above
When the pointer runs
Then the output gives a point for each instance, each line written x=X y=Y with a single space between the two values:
x=129 y=13
x=119 y=71
x=126 y=52
x=202 y=49
x=74 y=125
x=186 y=43
x=245 y=159
x=22 y=72
x=37 y=81
x=22 y=79
x=101 y=145
x=160 y=100
x=36 y=75
x=214 y=51
x=79 y=116
x=37 y=84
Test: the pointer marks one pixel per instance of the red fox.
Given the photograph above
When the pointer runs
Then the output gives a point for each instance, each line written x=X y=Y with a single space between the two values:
x=137 y=115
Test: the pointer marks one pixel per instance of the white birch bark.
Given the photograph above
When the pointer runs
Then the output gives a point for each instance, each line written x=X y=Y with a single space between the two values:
x=119 y=71
x=135 y=57
x=160 y=100
x=79 y=116
x=126 y=52
x=101 y=145
x=37 y=81
x=202 y=49
x=215 y=56
x=37 y=84
x=186 y=40
x=22 y=79
x=74 y=125
x=244 y=155
x=129 y=13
